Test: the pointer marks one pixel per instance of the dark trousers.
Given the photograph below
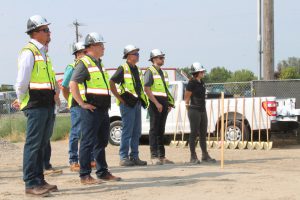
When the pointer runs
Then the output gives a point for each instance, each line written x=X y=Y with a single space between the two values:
x=198 y=125
x=157 y=131
x=38 y=133
x=95 y=133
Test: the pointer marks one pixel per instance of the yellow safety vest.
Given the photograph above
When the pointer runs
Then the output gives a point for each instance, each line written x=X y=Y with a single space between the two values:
x=42 y=80
x=128 y=85
x=158 y=88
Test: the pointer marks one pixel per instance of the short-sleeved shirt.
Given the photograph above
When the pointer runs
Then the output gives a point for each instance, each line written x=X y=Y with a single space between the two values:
x=81 y=73
x=118 y=77
x=149 y=81
x=67 y=76
x=198 y=94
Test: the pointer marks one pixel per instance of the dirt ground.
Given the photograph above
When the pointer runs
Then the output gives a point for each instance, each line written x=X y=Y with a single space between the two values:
x=247 y=174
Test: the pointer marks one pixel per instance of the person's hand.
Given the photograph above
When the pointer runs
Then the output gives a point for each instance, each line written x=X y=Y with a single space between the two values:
x=122 y=101
x=88 y=107
x=159 y=107
x=187 y=106
x=169 y=109
x=16 y=104
x=57 y=101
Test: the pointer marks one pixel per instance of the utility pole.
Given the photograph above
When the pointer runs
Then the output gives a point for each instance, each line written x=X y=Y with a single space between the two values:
x=77 y=24
x=259 y=38
x=268 y=39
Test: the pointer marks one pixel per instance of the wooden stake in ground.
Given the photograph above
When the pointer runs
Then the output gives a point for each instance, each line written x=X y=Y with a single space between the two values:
x=222 y=130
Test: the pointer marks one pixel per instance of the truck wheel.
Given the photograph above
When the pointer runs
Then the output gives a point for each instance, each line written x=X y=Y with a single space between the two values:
x=235 y=133
x=115 y=131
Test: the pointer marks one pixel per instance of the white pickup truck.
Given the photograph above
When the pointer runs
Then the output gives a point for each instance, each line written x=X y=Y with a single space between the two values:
x=260 y=113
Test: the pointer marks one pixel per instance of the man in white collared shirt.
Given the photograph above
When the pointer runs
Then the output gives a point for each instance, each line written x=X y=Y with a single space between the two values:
x=36 y=89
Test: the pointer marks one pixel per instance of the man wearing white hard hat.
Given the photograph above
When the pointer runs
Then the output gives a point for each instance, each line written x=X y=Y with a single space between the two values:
x=36 y=88
x=91 y=90
x=130 y=98
x=161 y=101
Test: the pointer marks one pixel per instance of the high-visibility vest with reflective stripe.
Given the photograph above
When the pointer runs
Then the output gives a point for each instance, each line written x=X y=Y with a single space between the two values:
x=42 y=75
x=128 y=84
x=158 y=87
x=70 y=98
x=98 y=83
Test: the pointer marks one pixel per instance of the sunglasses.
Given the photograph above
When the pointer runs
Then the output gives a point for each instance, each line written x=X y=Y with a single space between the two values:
x=45 y=30
x=135 y=54
x=161 y=58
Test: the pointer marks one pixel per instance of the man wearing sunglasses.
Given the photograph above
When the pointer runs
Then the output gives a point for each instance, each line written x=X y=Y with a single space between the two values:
x=90 y=88
x=36 y=88
x=161 y=102
x=130 y=97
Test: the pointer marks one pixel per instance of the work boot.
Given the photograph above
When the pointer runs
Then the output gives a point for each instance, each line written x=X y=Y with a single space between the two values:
x=93 y=164
x=126 y=162
x=107 y=176
x=74 y=167
x=37 y=191
x=156 y=161
x=207 y=158
x=138 y=161
x=194 y=159
x=166 y=161
x=51 y=188
x=89 y=180
x=52 y=171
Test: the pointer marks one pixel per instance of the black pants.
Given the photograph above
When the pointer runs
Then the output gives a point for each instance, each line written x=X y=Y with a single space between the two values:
x=157 y=130
x=198 y=125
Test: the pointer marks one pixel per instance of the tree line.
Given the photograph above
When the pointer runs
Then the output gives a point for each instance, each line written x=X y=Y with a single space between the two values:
x=286 y=69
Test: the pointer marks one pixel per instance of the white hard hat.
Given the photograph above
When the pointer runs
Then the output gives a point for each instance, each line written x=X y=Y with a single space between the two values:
x=77 y=47
x=129 y=48
x=155 y=53
x=197 y=67
x=35 y=22
x=93 y=38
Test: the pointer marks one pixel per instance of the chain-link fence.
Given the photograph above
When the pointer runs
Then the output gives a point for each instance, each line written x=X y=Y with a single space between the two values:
x=13 y=122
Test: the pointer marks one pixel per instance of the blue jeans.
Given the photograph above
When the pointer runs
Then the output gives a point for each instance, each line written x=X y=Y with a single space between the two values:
x=47 y=151
x=131 y=132
x=95 y=133
x=38 y=133
x=75 y=134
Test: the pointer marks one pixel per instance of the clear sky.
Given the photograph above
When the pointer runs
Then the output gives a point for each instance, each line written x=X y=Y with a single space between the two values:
x=213 y=32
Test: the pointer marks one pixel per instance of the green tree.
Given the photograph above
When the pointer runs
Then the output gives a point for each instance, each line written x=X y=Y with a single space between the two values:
x=289 y=73
x=219 y=75
x=290 y=62
x=242 y=76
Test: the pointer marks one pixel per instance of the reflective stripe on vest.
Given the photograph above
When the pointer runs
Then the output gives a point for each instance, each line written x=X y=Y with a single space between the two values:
x=42 y=74
x=96 y=85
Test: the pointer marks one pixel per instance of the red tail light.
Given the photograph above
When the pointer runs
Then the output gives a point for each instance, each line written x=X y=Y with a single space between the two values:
x=270 y=107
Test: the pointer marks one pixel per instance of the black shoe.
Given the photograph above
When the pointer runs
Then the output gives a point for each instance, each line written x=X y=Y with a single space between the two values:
x=138 y=162
x=194 y=160
x=207 y=158
x=126 y=162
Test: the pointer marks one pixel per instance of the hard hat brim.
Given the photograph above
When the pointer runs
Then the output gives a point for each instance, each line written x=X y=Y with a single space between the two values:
x=37 y=27
x=202 y=70
x=162 y=55
x=136 y=49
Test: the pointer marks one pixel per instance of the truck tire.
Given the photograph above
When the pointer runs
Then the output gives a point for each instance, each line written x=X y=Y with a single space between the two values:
x=232 y=134
x=115 y=131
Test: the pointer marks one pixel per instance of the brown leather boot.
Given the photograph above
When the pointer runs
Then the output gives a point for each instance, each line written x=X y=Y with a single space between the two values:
x=89 y=180
x=37 y=191
x=74 y=167
x=109 y=177
x=51 y=188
